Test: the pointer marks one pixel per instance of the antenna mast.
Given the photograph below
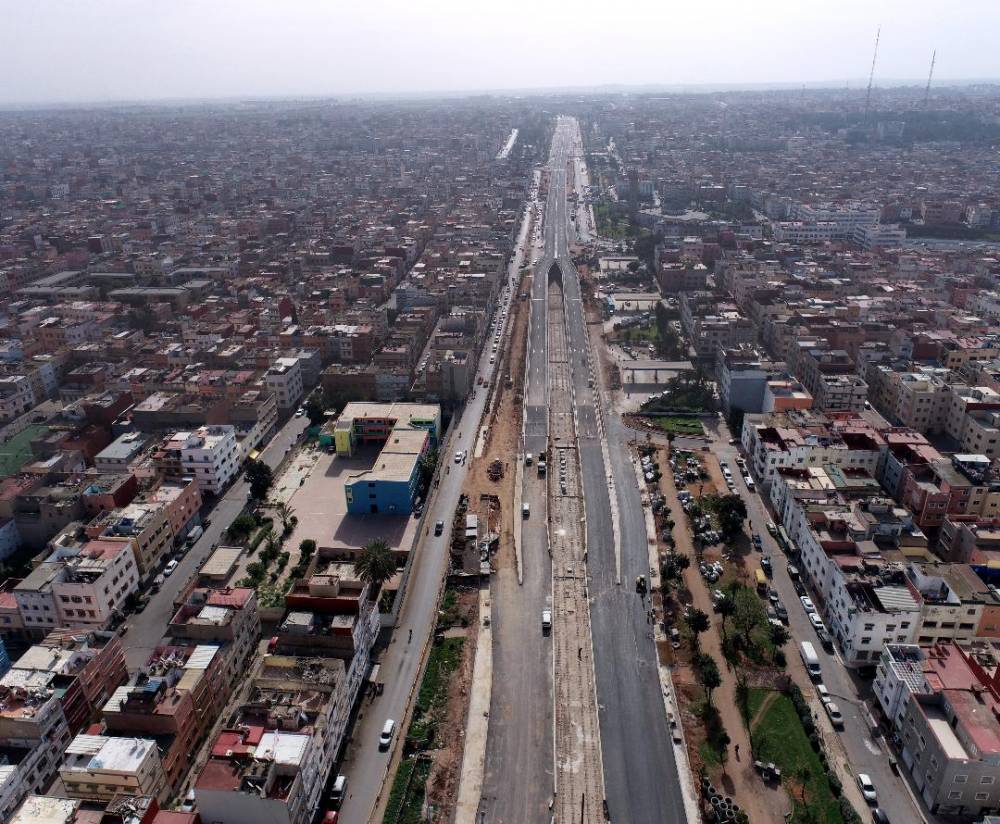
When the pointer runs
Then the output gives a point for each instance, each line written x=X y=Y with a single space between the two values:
x=930 y=75
x=871 y=76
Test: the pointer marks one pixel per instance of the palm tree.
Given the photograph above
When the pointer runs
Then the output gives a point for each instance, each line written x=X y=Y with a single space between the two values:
x=375 y=565
x=285 y=513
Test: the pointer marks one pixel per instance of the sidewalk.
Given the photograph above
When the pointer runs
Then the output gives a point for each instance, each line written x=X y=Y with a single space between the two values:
x=762 y=802
x=477 y=723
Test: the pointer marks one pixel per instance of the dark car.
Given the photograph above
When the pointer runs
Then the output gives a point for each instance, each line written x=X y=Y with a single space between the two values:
x=439 y=528
x=879 y=816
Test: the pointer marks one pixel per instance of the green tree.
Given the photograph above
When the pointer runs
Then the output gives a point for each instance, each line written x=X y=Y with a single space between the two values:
x=726 y=607
x=260 y=477
x=306 y=550
x=375 y=565
x=779 y=635
x=285 y=513
x=428 y=463
x=242 y=525
x=697 y=623
x=732 y=511
x=316 y=409
x=708 y=675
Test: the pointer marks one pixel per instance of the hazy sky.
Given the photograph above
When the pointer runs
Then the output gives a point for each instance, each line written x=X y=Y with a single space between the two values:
x=93 y=50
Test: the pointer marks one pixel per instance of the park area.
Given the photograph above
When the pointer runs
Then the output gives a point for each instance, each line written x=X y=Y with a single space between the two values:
x=778 y=736
x=680 y=426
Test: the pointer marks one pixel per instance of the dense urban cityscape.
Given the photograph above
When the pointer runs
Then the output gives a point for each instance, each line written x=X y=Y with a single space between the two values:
x=574 y=457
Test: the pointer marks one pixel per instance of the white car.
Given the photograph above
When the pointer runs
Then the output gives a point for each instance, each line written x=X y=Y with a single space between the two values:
x=867 y=788
x=816 y=621
x=458 y=456
x=807 y=603
x=834 y=712
x=169 y=568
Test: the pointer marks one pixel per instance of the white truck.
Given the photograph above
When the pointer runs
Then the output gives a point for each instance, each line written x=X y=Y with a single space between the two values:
x=810 y=659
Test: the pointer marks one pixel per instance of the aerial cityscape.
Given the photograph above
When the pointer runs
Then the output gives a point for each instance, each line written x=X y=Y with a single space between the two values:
x=579 y=453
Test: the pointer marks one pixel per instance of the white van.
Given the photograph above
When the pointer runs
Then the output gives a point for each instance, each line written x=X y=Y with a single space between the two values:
x=385 y=738
x=194 y=535
x=337 y=790
x=810 y=659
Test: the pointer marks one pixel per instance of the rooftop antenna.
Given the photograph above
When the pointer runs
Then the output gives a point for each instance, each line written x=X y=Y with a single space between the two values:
x=871 y=76
x=930 y=76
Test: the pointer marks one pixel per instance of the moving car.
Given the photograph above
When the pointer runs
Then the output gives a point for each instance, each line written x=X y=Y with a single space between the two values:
x=169 y=568
x=546 y=620
x=385 y=737
x=867 y=788
x=458 y=456
x=300 y=412
x=439 y=528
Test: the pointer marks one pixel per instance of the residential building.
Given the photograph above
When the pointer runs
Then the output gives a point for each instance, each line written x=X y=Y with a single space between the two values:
x=100 y=767
x=284 y=380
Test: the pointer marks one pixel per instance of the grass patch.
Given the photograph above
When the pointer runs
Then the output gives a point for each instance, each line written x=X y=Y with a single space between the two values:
x=406 y=798
x=777 y=735
x=680 y=426
x=17 y=451
x=441 y=663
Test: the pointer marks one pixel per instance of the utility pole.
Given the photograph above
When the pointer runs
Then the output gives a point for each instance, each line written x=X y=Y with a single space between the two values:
x=930 y=76
x=871 y=75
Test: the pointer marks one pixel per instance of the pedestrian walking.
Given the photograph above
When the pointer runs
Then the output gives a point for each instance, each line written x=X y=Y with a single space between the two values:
x=579 y=653
x=409 y=637
x=737 y=752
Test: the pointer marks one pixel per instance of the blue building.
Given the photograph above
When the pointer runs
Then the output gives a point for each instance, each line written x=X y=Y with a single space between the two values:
x=390 y=486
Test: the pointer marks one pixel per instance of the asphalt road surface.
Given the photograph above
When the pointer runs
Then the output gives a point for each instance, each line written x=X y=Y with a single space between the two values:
x=400 y=667
x=640 y=774
x=147 y=628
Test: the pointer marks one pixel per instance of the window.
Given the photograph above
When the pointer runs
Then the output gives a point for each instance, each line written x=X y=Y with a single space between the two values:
x=987 y=779
x=904 y=625
x=982 y=796
x=961 y=779
x=954 y=795
x=866 y=640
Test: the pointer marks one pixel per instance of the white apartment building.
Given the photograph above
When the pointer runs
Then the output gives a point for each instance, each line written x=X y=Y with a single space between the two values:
x=846 y=217
x=98 y=767
x=118 y=454
x=33 y=734
x=972 y=417
x=798 y=231
x=284 y=379
x=35 y=600
x=864 y=601
x=143 y=526
x=882 y=235
x=211 y=456
x=840 y=393
x=985 y=304
x=16 y=396
x=95 y=582
x=799 y=440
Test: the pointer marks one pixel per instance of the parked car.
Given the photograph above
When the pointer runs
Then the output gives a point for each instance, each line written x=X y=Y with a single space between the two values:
x=833 y=711
x=817 y=622
x=170 y=567
x=807 y=603
x=458 y=457
x=867 y=788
